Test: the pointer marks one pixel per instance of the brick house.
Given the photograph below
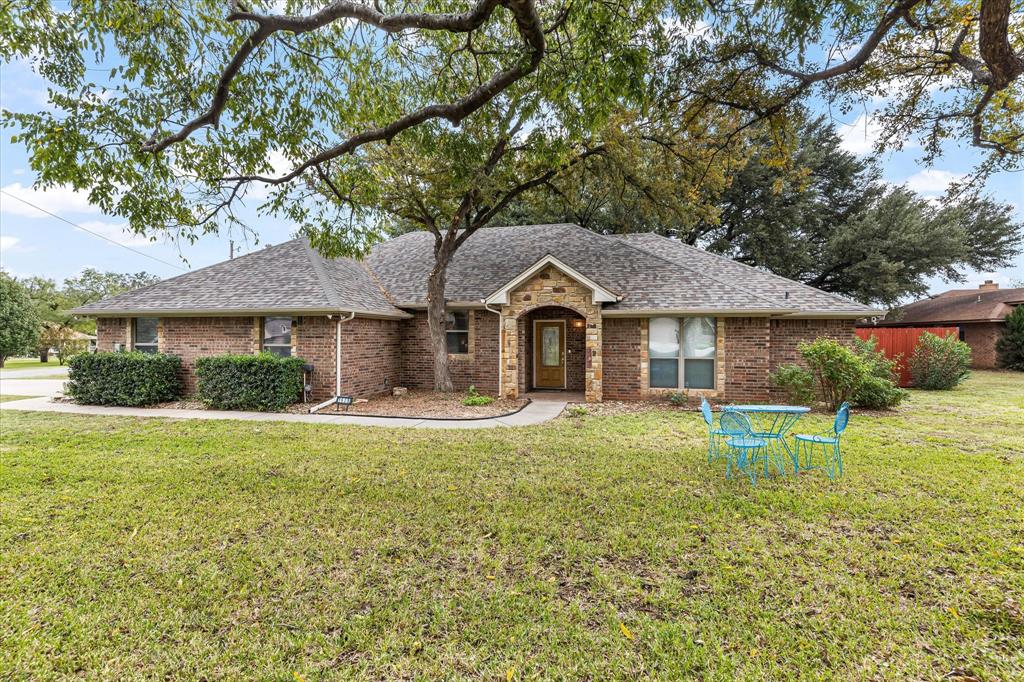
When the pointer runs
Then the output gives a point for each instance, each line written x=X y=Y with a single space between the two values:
x=536 y=307
x=979 y=314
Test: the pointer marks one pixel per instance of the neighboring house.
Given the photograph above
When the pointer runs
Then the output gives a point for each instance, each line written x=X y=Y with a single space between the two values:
x=532 y=307
x=980 y=314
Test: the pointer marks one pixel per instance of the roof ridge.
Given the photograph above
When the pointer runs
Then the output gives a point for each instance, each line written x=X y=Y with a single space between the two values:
x=754 y=268
x=625 y=243
x=321 y=275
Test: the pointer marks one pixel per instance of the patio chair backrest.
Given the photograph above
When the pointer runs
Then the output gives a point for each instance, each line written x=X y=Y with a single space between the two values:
x=842 y=418
x=705 y=409
x=734 y=423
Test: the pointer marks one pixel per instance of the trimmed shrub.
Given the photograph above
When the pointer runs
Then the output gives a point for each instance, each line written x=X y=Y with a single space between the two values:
x=939 y=364
x=1010 y=345
x=263 y=382
x=124 y=379
x=836 y=374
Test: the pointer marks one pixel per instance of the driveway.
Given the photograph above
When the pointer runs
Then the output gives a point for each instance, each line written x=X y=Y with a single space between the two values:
x=21 y=381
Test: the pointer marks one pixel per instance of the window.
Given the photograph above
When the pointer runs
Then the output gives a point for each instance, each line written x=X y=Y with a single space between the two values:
x=277 y=335
x=456 y=327
x=144 y=335
x=690 y=364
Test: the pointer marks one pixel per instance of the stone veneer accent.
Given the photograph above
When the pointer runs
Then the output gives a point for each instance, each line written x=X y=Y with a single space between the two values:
x=550 y=287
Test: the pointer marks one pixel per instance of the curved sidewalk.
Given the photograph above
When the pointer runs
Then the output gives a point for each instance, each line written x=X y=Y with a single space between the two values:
x=537 y=412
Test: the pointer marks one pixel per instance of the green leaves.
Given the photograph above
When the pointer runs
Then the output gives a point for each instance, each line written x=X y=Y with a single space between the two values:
x=124 y=379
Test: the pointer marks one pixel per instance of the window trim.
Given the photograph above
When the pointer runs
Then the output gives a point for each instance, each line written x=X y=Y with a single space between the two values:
x=264 y=346
x=145 y=346
x=681 y=358
x=468 y=314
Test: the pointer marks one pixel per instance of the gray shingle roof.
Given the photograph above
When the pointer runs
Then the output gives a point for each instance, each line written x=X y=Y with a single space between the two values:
x=493 y=256
x=767 y=285
x=289 y=277
x=648 y=272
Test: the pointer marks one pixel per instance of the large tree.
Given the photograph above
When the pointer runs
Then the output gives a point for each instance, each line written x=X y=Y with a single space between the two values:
x=942 y=70
x=19 y=326
x=823 y=217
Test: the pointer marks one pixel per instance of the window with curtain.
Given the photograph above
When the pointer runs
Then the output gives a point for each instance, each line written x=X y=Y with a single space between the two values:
x=682 y=352
x=457 y=331
x=144 y=334
x=277 y=336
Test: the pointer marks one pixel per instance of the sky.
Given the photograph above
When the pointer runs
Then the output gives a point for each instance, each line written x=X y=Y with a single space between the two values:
x=35 y=243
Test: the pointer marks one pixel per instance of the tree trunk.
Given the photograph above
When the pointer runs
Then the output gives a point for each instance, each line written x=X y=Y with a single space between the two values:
x=436 y=316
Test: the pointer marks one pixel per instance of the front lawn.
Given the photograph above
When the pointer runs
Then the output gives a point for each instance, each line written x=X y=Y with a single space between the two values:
x=30 y=363
x=591 y=548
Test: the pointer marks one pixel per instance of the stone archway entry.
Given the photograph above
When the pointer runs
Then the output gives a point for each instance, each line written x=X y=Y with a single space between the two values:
x=549 y=288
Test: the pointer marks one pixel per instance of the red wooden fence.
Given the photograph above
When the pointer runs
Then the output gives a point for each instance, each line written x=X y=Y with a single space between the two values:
x=899 y=342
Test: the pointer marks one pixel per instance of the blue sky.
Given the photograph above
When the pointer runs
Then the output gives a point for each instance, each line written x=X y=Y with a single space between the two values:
x=32 y=243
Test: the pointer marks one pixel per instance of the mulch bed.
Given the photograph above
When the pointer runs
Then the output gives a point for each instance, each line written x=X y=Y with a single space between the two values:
x=419 y=403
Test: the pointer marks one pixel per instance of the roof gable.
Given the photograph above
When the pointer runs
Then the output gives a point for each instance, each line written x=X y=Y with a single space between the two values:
x=599 y=293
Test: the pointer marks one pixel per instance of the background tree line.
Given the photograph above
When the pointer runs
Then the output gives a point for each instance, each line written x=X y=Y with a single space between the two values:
x=35 y=316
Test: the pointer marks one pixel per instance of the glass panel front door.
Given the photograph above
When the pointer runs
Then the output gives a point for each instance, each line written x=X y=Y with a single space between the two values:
x=549 y=350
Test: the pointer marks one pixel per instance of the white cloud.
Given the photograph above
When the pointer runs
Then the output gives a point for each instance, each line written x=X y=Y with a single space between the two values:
x=8 y=244
x=931 y=181
x=61 y=200
x=861 y=137
x=117 y=232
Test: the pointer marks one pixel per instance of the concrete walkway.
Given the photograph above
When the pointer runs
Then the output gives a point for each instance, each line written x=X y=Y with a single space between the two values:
x=536 y=412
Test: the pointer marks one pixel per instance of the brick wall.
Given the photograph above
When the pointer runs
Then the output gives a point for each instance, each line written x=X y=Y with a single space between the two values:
x=110 y=331
x=575 y=347
x=194 y=337
x=787 y=335
x=370 y=357
x=621 y=349
x=477 y=368
x=982 y=337
x=745 y=358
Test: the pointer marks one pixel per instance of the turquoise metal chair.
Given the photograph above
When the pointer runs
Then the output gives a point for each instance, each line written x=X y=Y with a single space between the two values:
x=716 y=436
x=827 y=443
x=742 y=445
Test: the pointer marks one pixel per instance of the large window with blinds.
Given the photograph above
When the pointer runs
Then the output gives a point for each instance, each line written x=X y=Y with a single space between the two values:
x=682 y=352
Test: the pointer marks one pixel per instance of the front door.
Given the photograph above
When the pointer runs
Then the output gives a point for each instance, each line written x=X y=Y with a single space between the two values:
x=549 y=354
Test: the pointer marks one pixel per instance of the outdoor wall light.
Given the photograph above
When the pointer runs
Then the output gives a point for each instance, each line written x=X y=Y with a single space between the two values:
x=578 y=324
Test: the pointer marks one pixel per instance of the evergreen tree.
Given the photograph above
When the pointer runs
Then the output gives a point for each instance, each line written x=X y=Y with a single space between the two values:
x=1011 y=345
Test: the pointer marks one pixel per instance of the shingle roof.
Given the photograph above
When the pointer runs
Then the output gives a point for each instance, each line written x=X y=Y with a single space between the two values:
x=959 y=305
x=648 y=272
x=493 y=256
x=781 y=290
x=289 y=277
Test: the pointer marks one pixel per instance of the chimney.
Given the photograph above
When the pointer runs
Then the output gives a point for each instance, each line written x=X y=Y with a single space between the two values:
x=989 y=285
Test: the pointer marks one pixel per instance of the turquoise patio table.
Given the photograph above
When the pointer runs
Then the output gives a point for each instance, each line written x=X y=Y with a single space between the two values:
x=772 y=423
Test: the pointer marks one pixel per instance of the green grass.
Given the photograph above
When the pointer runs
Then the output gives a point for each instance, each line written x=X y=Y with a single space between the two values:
x=151 y=548
x=6 y=398
x=45 y=376
x=30 y=363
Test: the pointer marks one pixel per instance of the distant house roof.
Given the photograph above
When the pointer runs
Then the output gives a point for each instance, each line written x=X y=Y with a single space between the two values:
x=988 y=303
x=645 y=273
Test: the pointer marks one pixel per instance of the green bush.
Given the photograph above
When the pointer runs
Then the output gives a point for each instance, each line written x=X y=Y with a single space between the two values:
x=1010 y=345
x=878 y=390
x=836 y=374
x=124 y=379
x=939 y=364
x=797 y=382
x=474 y=399
x=263 y=382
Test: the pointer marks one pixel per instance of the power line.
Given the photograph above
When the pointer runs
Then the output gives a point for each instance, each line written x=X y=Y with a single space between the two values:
x=95 y=234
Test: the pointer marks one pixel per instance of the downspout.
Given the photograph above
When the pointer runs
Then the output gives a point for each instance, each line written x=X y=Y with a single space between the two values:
x=337 y=363
x=337 y=353
x=501 y=345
